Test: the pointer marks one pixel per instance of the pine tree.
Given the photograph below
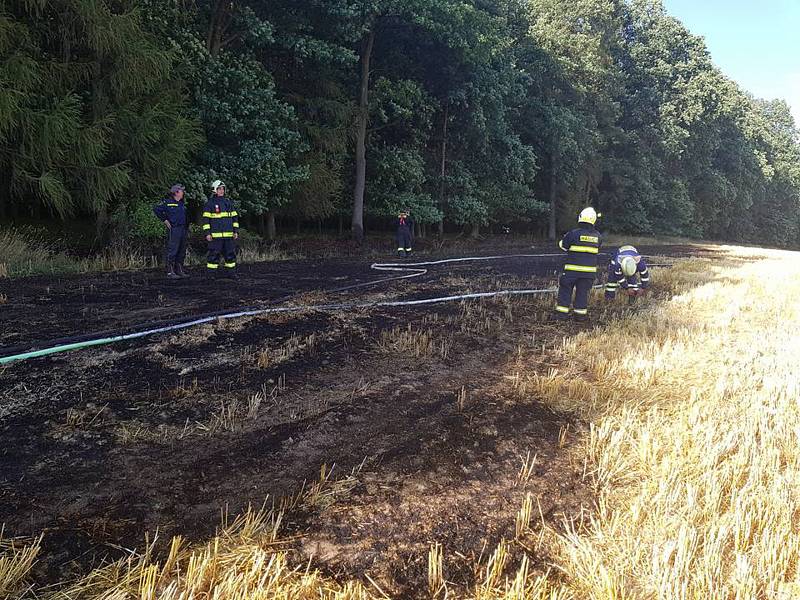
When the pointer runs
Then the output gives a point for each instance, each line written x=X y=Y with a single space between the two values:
x=95 y=117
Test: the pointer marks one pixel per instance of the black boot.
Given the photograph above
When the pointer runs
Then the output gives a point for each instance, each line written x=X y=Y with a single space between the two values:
x=401 y=253
x=180 y=271
x=581 y=318
x=171 y=271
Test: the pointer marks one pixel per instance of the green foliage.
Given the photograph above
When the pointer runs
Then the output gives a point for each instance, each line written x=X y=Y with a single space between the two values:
x=479 y=112
x=142 y=224
x=90 y=108
x=249 y=131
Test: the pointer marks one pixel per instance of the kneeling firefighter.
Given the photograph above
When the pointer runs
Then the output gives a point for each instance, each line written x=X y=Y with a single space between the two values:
x=221 y=226
x=628 y=271
x=580 y=268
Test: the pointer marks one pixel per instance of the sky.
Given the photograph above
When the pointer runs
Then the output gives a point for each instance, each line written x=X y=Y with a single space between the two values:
x=754 y=42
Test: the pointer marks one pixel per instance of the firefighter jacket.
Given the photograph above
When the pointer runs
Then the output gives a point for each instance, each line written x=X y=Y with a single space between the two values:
x=171 y=210
x=220 y=219
x=582 y=246
x=405 y=224
x=617 y=279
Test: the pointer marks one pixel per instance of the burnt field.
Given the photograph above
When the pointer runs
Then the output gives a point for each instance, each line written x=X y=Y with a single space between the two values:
x=416 y=410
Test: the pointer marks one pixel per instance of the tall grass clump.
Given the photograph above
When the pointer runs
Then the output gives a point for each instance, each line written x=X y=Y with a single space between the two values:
x=16 y=561
x=28 y=254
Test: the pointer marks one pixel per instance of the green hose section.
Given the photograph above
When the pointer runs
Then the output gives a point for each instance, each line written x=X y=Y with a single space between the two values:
x=55 y=349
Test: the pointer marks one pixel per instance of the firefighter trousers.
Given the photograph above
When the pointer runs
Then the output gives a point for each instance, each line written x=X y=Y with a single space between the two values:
x=404 y=240
x=581 y=286
x=175 y=252
x=225 y=248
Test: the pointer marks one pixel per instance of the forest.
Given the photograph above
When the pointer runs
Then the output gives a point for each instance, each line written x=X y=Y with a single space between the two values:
x=473 y=114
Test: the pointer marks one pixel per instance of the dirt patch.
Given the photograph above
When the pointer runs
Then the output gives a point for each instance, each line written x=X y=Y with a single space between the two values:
x=169 y=432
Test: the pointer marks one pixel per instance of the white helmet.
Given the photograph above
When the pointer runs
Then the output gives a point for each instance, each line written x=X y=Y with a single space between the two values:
x=217 y=184
x=588 y=215
x=628 y=265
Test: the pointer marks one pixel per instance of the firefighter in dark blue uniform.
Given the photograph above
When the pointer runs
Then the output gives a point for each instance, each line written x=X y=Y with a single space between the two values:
x=580 y=268
x=628 y=271
x=405 y=233
x=221 y=226
x=172 y=211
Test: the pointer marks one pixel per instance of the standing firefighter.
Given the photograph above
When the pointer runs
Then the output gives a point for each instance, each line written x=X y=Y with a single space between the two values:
x=582 y=246
x=221 y=226
x=627 y=270
x=405 y=233
x=172 y=211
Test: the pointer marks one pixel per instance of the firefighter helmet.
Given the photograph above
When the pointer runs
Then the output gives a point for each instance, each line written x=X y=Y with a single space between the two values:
x=588 y=215
x=217 y=184
x=628 y=265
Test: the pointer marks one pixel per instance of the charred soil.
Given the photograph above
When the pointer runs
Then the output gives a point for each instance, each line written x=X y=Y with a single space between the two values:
x=172 y=431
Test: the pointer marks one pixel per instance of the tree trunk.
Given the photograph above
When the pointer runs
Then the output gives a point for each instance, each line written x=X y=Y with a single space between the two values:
x=298 y=225
x=551 y=229
x=476 y=230
x=443 y=171
x=357 y=225
x=220 y=20
x=341 y=224
x=271 y=229
x=101 y=223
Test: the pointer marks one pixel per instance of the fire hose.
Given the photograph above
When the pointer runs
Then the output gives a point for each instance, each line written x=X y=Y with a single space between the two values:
x=410 y=270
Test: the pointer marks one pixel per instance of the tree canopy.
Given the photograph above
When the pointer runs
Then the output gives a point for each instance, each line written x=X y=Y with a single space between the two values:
x=471 y=113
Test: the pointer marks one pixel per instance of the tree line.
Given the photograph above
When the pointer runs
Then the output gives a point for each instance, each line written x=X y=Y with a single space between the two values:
x=471 y=113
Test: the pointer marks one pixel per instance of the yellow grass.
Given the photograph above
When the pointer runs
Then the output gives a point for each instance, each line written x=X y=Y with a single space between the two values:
x=16 y=560
x=694 y=440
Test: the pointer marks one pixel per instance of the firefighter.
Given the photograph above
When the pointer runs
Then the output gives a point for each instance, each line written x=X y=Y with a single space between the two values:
x=221 y=226
x=172 y=211
x=405 y=233
x=627 y=270
x=580 y=268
